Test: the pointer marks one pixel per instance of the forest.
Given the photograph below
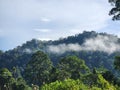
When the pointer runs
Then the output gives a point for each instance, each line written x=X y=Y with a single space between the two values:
x=33 y=67
x=85 y=61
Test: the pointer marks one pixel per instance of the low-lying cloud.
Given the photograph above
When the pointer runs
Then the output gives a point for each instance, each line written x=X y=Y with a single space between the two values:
x=101 y=43
x=27 y=50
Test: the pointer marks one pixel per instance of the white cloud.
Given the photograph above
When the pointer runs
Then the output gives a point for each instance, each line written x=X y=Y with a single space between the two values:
x=44 y=19
x=100 y=43
x=42 y=30
x=27 y=50
x=62 y=48
x=44 y=39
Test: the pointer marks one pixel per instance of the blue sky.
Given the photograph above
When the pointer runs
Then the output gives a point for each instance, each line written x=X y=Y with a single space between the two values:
x=22 y=20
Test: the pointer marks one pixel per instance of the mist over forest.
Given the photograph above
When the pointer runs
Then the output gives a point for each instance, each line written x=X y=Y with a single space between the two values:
x=59 y=45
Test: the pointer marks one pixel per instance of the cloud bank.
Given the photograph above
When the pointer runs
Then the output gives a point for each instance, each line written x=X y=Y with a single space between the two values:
x=61 y=18
x=100 y=43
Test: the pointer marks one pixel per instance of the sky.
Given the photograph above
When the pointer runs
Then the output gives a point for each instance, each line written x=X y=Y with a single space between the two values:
x=23 y=20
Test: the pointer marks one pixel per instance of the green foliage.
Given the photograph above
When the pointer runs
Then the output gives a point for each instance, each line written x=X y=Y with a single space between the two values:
x=115 y=11
x=20 y=56
x=16 y=72
x=109 y=76
x=5 y=76
x=6 y=79
x=1 y=52
x=68 y=84
x=7 y=82
x=38 y=69
x=20 y=84
x=5 y=73
x=117 y=62
x=117 y=87
x=96 y=79
x=35 y=87
x=71 y=67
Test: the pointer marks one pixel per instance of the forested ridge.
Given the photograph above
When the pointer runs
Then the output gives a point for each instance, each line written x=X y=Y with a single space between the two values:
x=48 y=65
x=21 y=55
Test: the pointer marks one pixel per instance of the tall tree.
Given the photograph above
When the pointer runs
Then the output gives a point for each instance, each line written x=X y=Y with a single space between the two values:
x=115 y=11
x=72 y=67
x=6 y=79
x=1 y=52
x=38 y=69
x=117 y=63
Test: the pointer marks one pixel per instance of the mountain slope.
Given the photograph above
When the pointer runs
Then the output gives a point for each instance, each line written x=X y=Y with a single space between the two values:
x=97 y=49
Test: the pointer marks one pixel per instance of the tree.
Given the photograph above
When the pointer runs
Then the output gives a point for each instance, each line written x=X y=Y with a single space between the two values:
x=16 y=72
x=117 y=62
x=108 y=75
x=115 y=11
x=70 y=84
x=6 y=79
x=7 y=82
x=38 y=69
x=72 y=67
x=67 y=84
x=20 y=84
x=1 y=52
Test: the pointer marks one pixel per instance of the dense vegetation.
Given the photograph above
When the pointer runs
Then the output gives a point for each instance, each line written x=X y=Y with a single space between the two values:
x=32 y=67
x=21 y=55
x=71 y=73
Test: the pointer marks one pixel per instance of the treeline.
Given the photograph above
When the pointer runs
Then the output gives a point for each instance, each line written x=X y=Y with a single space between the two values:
x=20 y=55
x=71 y=73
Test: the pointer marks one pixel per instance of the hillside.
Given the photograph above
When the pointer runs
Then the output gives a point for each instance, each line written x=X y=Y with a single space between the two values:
x=97 y=49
